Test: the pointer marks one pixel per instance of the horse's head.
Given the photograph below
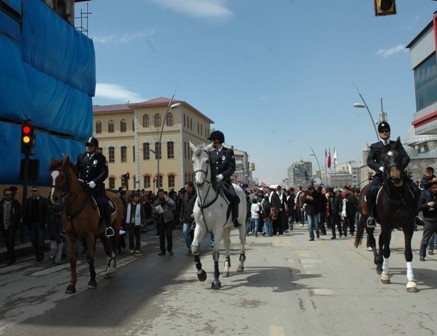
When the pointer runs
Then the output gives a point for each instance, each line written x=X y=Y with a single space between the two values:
x=392 y=163
x=63 y=175
x=203 y=170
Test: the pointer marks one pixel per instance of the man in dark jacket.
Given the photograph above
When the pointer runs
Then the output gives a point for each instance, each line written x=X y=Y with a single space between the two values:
x=428 y=206
x=92 y=169
x=186 y=214
x=224 y=161
x=10 y=217
x=374 y=161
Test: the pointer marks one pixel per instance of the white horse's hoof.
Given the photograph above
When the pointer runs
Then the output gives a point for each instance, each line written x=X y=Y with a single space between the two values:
x=411 y=287
x=225 y=275
x=385 y=279
x=240 y=269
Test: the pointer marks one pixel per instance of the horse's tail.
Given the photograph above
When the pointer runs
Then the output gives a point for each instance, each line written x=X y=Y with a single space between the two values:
x=360 y=232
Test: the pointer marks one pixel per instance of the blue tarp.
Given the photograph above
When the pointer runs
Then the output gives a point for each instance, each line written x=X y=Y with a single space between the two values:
x=47 y=75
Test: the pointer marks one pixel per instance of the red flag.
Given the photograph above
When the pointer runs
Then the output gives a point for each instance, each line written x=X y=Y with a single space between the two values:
x=328 y=159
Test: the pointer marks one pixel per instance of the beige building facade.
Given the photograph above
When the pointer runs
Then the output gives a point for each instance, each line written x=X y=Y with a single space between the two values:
x=149 y=142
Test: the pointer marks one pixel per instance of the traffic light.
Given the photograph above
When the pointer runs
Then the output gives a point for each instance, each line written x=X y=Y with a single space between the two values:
x=127 y=176
x=252 y=166
x=27 y=139
x=385 y=7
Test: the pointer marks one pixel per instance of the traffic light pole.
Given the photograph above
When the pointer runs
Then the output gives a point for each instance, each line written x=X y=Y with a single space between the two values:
x=24 y=196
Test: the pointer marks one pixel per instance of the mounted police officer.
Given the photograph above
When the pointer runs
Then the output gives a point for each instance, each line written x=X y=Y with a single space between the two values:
x=92 y=168
x=374 y=161
x=224 y=161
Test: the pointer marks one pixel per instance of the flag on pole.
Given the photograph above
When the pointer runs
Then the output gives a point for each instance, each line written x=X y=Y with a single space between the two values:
x=328 y=158
x=335 y=157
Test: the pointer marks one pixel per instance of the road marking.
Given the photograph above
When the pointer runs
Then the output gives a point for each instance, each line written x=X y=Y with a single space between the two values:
x=276 y=331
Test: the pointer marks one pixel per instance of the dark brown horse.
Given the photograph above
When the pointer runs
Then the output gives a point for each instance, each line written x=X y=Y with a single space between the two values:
x=81 y=218
x=396 y=207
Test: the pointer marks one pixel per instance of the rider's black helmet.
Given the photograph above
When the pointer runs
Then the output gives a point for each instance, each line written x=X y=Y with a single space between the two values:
x=217 y=135
x=383 y=126
x=92 y=141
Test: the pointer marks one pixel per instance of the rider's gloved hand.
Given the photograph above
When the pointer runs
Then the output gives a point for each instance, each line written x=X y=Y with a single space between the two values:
x=91 y=184
x=219 y=177
x=381 y=169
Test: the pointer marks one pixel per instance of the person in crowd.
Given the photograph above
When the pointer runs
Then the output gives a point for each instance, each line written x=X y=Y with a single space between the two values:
x=186 y=214
x=163 y=210
x=312 y=206
x=134 y=217
x=322 y=210
x=427 y=179
x=298 y=201
x=374 y=161
x=10 y=218
x=223 y=159
x=282 y=218
x=266 y=216
x=35 y=218
x=255 y=211
x=275 y=204
x=291 y=208
x=333 y=212
x=350 y=202
x=92 y=169
x=428 y=206
x=147 y=205
x=54 y=228
x=249 y=227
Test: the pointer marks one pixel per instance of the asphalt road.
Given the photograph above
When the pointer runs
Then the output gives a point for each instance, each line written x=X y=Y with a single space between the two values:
x=290 y=286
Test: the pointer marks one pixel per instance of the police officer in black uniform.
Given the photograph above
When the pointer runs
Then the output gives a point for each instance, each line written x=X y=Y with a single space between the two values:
x=374 y=161
x=224 y=160
x=92 y=168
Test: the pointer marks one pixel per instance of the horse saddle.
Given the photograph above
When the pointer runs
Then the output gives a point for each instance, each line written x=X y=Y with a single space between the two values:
x=112 y=205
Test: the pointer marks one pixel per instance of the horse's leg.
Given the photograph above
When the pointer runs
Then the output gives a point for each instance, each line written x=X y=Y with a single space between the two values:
x=242 y=258
x=199 y=232
x=408 y=235
x=227 y=244
x=91 y=243
x=70 y=240
x=216 y=284
x=386 y=238
x=109 y=246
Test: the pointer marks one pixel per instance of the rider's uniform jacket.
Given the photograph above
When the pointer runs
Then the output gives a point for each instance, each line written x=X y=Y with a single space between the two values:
x=224 y=162
x=92 y=168
x=374 y=159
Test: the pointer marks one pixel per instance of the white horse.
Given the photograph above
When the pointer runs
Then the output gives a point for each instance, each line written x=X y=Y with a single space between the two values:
x=212 y=214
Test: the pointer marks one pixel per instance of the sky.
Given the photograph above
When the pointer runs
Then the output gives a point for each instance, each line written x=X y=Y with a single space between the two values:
x=278 y=77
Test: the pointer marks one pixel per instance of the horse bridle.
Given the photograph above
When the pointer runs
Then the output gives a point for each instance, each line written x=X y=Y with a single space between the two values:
x=205 y=172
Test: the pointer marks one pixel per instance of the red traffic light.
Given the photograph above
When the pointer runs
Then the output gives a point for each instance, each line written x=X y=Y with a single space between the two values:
x=27 y=139
x=127 y=175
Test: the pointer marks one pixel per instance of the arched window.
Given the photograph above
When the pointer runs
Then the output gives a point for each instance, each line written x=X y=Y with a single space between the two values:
x=157 y=120
x=111 y=154
x=111 y=126
x=147 y=182
x=146 y=120
x=112 y=183
x=98 y=127
x=171 y=181
x=123 y=125
x=123 y=152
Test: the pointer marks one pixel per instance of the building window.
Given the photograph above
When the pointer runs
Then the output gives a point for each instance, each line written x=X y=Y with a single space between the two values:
x=111 y=154
x=146 y=120
x=170 y=150
x=133 y=153
x=170 y=119
x=98 y=127
x=159 y=182
x=147 y=183
x=111 y=126
x=146 y=151
x=123 y=125
x=157 y=120
x=158 y=150
x=112 y=183
x=123 y=152
x=171 y=181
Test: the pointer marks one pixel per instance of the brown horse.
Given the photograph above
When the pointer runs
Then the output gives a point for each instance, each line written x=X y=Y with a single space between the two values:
x=396 y=207
x=81 y=218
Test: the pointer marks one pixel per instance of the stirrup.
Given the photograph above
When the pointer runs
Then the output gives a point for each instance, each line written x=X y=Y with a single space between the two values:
x=371 y=222
x=109 y=232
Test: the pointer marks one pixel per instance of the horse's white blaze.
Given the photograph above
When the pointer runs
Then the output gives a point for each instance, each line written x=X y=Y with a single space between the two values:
x=54 y=175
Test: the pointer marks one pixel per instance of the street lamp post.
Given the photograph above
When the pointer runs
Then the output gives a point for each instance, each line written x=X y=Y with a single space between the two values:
x=364 y=105
x=158 y=153
x=318 y=164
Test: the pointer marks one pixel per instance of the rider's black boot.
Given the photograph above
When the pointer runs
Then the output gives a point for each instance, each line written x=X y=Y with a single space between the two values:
x=235 y=213
x=370 y=206
x=109 y=232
